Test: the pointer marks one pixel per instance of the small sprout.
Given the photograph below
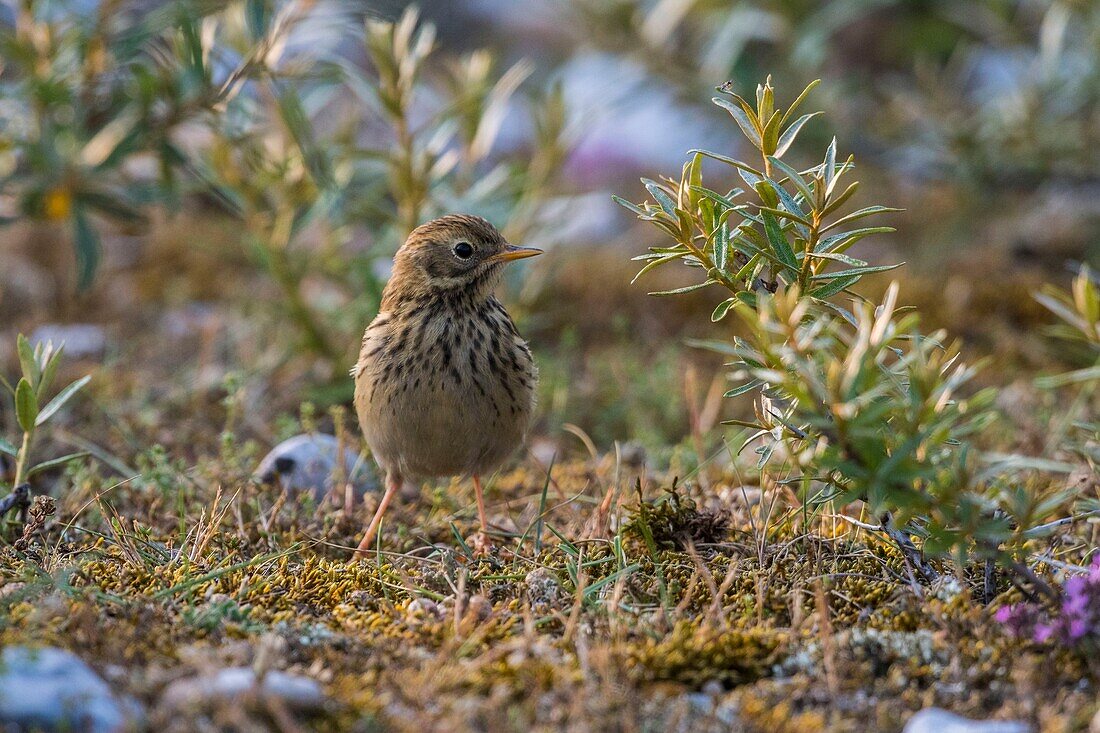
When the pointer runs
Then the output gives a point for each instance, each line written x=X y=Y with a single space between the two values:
x=38 y=366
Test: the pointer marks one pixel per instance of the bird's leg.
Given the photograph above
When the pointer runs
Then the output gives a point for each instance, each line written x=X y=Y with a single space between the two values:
x=393 y=484
x=481 y=542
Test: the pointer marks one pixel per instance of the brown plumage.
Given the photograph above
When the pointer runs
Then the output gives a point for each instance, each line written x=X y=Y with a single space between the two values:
x=444 y=385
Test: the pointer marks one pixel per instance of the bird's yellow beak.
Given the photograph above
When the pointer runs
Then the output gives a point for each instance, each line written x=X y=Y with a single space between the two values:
x=512 y=252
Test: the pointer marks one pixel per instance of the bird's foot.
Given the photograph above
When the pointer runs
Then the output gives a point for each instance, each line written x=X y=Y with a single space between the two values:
x=481 y=545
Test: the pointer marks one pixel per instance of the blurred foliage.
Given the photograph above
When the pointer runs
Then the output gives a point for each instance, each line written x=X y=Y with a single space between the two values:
x=852 y=404
x=239 y=104
x=1077 y=431
x=997 y=92
x=84 y=99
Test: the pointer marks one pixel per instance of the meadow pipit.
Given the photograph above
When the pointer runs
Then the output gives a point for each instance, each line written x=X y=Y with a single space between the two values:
x=444 y=385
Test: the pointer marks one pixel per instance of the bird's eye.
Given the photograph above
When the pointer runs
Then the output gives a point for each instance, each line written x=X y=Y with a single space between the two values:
x=463 y=250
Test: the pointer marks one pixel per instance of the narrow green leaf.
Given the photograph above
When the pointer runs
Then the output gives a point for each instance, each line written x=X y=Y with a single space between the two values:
x=60 y=399
x=788 y=201
x=298 y=125
x=680 y=291
x=86 y=242
x=49 y=372
x=794 y=177
x=695 y=171
x=1088 y=374
x=742 y=389
x=747 y=298
x=857 y=271
x=722 y=309
x=784 y=214
x=26 y=408
x=779 y=242
x=838 y=258
x=55 y=463
x=748 y=272
x=750 y=178
x=726 y=201
x=728 y=161
x=6 y=447
x=833 y=287
x=869 y=211
x=637 y=210
x=844 y=240
x=27 y=363
x=771 y=135
x=788 y=136
x=829 y=166
x=800 y=99
x=747 y=125
x=722 y=245
x=720 y=347
x=840 y=200
x=661 y=196
x=842 y=312
x=657 y=262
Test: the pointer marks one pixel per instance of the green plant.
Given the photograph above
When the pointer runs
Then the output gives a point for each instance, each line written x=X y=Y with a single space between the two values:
x=856 y=403
x=308 y=150
x=1077 y=431
x=874 y=412
x=87 y=97
x=791 y=232
x=308 y=172
x=38 y=365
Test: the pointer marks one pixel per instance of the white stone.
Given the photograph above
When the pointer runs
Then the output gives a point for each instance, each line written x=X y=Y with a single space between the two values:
x=54 y=690
x=937 y=720
x=232 y=684
x=306 y=462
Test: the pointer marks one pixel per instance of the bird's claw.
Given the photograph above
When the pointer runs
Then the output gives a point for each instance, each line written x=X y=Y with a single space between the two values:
x=482 y=546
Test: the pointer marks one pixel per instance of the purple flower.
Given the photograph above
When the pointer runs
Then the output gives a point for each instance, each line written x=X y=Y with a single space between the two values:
x=1076 y=620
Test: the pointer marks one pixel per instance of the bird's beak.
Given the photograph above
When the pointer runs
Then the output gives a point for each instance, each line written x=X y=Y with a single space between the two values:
x=512 y=252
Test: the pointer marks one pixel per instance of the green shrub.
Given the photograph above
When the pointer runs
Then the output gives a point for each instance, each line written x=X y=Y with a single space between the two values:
x=856 y=403
x=306 y=149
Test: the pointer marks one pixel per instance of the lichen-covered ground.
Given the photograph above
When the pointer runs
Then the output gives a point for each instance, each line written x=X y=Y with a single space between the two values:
x=610 y=603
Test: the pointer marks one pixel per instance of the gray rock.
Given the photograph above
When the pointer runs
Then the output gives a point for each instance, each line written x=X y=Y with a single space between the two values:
x=81 y=340
x=236 y=684
x=544 y=592
x=306 y=462
x=54 y=690
x=937 y=720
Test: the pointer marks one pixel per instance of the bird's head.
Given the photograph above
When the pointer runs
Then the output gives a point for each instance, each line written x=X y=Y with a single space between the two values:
x=455 y=252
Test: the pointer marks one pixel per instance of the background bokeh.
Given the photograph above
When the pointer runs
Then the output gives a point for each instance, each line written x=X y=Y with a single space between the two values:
x=202 y=202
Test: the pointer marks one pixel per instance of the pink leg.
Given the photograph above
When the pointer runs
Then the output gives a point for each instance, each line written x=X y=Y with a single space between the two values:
x=481 y=544
x=393 y=483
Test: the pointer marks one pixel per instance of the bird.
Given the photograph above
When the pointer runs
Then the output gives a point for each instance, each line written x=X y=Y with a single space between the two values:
x=444 y=383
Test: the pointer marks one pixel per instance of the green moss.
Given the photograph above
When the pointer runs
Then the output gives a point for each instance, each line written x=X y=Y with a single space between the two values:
x=575 y=632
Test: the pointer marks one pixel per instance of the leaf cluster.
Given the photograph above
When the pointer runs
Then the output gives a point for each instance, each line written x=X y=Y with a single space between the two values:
x=874 y=412
x=112 y=115
x=784 y=227
x=38 y=365
x=865 y=406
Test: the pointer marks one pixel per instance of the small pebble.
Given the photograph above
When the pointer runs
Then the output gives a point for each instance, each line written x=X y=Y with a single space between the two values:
x=306 y=463
x=479 y=608
x=543 y=589
x=234 y=684
x=54 y=690
x=81 y=340
x=937 y=720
